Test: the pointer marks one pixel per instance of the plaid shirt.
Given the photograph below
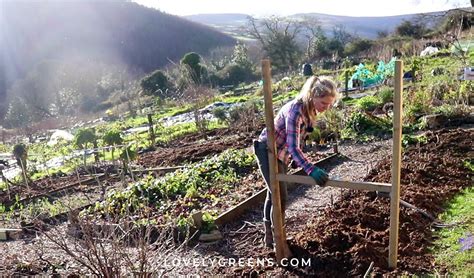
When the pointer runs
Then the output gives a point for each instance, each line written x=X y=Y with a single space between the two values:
x=289 y=130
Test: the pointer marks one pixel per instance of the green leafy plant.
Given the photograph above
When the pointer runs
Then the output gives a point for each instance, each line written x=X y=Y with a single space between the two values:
x=20 y=152
x=385 y=95
x=156 y=84
x=220 y=114
x=113 y=138
x=208 y=222
x=128 y=154
x=368 y=103
x=360 y=123
x=85 y=138
x=219 y=173
x=469 y=164
x=413 y=140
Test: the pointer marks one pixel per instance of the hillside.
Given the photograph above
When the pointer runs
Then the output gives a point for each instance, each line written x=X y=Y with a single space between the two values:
x=366 y=27
x=111 y=32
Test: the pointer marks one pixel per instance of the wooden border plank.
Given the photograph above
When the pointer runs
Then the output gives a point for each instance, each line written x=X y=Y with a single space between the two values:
x=370 y=186
x=234 y=212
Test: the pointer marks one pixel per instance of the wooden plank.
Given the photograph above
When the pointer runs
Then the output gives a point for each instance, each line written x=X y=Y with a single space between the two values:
x=234 y=212
x=6 y=233
x=159 y=169
x=370 y=186
x=396 y=164
x=279 y=233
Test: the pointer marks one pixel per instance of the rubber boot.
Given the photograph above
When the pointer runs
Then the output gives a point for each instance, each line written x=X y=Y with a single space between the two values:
x=268 y=240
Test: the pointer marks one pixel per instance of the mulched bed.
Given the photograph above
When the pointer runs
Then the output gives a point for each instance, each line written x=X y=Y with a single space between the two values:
x=50 y=183
x=195 y=147
x=345 y=238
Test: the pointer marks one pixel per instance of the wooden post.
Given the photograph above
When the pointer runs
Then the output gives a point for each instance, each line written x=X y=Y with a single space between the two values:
x=279 y=234
x=396 y=163
x=346 y=83
x=151 y=129
x=96 y=147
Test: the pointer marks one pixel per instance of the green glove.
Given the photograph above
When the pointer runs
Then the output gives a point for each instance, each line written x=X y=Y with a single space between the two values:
x=320 y=176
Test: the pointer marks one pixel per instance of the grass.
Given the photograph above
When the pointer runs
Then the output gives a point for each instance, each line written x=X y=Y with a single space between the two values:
x=285 y=96
x=349 y=101
x=454 y=247
x=234 y=99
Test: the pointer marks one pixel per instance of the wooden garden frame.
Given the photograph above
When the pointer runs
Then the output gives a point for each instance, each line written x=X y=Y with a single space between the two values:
x=282 y=248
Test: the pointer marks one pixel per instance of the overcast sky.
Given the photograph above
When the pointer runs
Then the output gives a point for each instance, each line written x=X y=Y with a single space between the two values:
x=287 y=7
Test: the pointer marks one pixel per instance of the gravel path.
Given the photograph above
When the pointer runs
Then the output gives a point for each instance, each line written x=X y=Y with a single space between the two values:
x=354 y=164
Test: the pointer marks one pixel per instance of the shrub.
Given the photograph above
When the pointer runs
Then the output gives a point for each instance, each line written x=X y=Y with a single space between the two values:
x=234 y=74
x=20 y=152
x=368 y=103
x=112 y=138
x=155 y=84
x=220 y=114
x=358 y=46
x=245 y=116
x=385 y=95
x=84 y=137
x=410 y=29
x=417 y=103
x=360 y=123
x=192 y=67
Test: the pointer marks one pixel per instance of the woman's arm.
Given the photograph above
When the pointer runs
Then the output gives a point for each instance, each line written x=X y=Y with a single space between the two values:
x=293 y=121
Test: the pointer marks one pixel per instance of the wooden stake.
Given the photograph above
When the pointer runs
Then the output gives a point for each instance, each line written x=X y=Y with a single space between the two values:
x=282 y=249
x=346 y=83
x=396 y=164
x=151 y=129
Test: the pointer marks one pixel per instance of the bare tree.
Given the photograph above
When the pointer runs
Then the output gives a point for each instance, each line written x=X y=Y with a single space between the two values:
x=313 y=32
x=277 y=35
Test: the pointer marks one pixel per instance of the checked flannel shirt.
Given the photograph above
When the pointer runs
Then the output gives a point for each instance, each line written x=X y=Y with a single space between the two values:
x=289 y=130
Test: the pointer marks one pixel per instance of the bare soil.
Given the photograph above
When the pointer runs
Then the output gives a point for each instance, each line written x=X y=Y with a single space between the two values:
x=195 y=147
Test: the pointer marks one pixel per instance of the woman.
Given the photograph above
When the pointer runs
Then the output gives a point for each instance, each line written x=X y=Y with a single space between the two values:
x=292 y=122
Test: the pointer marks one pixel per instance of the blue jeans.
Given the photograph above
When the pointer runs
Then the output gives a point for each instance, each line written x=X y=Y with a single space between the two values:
x=261 y=151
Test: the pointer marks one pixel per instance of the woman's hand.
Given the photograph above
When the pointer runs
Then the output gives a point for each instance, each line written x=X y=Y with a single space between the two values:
x=320 y=176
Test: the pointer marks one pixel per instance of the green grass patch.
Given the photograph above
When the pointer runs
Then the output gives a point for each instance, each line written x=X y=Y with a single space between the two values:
x=349 y=101
x=173 y=111
x=234 y=99
x=455 y=245
x=469 y=164
x=285 y=96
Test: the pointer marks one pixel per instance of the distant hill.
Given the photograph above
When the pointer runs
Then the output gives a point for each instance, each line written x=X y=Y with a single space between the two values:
x=120 y=32
x=366 y=27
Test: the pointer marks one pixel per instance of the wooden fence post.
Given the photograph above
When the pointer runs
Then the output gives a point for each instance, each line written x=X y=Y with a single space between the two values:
x=282 y=249
x=396 y=163
x=346 y=83
x=151 y=130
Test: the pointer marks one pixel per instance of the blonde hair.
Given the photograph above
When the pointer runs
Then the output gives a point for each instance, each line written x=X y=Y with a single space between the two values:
x=315 y=87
